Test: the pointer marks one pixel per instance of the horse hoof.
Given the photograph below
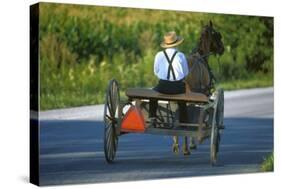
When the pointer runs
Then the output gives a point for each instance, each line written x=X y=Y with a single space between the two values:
x=176 y=149
x=193 y=147
x=186 y=153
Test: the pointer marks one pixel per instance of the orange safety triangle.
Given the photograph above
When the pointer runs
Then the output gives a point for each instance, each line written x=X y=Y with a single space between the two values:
x=133 y=121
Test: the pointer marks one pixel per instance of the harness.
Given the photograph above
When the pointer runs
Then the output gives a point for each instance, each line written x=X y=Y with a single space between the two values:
x=200 y=59
x=170 y=68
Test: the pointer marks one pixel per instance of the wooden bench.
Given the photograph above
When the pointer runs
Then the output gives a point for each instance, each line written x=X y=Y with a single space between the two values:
x=143 y=93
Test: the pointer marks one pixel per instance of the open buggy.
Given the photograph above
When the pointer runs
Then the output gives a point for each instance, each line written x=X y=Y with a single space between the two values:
x=131 y=116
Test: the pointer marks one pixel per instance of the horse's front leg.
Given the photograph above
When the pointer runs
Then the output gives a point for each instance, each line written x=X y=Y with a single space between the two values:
x=192 y=144
x=176 y=144
x=185 y=147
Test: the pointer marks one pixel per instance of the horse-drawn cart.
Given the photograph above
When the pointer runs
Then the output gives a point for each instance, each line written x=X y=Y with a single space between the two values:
x=131 y=116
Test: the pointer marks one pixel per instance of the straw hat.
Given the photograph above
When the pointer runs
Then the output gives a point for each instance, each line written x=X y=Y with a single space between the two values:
x=171 y=40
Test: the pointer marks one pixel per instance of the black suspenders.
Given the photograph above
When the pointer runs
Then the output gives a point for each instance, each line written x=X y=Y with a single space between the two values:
x=170 y=65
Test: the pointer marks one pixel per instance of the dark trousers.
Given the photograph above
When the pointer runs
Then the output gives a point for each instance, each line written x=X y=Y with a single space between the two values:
x=169 y=87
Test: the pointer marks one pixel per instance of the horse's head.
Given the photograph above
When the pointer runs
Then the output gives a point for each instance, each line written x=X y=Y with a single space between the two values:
x=211 y=40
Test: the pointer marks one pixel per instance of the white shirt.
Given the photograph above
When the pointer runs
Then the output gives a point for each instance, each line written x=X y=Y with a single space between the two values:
x=161 y=65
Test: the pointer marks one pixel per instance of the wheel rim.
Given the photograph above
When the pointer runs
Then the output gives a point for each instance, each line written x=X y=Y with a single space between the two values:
x=214 y=131
x=220 y=108
x=110 y=121
x=214 y=148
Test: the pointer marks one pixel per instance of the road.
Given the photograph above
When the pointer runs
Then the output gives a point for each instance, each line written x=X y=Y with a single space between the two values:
x=71 y=145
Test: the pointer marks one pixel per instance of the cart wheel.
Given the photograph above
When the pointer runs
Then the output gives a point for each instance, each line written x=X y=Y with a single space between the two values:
x=215 y=136
x=220 y=109
x=110 y=120
x=214 y=146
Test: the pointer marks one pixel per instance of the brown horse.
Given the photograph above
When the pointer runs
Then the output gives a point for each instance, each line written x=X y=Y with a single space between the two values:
x=200 y=78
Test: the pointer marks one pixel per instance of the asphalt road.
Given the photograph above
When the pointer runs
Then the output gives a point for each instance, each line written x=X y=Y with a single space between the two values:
x=71 y=145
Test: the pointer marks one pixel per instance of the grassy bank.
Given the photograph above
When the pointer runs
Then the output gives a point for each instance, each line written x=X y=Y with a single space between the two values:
x=255 y=82
x=268 y=163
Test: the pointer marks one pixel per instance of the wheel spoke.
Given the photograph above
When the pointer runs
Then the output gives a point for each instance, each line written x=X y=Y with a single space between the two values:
x=111 y=154
x=109 y=105
x=115 y=140
x=110 y=102
x=113 y=98
x=107 y=117
x=110 y=144
x=115 y=144
x=108 y=130
x=108 y=139
x=108 y=122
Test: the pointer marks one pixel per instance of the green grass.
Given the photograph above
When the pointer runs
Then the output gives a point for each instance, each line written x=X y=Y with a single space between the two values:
x=256 y=82
x=268 y=163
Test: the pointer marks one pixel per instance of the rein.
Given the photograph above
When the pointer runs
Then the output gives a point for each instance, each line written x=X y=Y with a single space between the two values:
x=206 y=55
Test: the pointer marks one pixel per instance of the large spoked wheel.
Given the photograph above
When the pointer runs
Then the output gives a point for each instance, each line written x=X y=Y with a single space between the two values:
x=217 y=119
x=220 y=109
x=111 y=106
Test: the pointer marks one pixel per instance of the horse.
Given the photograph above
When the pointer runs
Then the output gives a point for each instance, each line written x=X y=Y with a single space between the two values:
x=200 y=78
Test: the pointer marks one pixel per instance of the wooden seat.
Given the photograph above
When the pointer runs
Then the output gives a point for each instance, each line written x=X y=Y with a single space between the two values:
x=143 y=93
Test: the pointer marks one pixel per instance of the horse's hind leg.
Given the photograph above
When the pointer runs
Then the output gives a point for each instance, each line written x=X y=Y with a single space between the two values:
x=192 y=144
x=185 y=147
x=176 y=144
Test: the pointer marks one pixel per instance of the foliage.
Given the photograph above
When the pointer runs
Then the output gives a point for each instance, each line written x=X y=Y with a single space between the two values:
x=83 y=47
x=268 y=163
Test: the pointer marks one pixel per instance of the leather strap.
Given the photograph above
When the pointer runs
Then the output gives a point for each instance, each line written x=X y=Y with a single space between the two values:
x=170 y=65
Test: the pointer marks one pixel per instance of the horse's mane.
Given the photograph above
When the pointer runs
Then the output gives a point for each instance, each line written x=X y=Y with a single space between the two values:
x=204 y=42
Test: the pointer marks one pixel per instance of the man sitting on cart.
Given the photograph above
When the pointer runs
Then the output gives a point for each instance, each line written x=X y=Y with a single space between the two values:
x=171 y=67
